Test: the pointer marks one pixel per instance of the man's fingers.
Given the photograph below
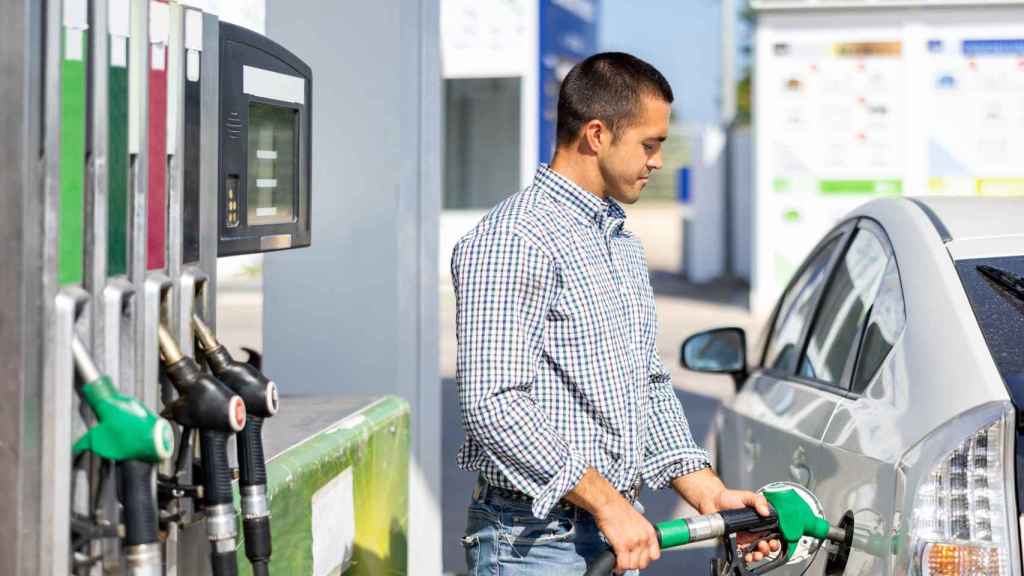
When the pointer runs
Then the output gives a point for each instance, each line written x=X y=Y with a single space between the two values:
x=634 y=559
x=761 y=504
x=654 y=550
x=775 y=545
x=621 y=560
x=763 y=547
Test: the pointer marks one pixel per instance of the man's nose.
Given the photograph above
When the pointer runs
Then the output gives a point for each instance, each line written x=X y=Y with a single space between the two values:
x=654 y=162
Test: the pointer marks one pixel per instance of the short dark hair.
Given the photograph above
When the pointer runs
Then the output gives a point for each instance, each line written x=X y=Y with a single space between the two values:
x=606 y=87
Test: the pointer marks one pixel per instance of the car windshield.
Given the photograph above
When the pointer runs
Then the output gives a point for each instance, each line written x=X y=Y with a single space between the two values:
x=995 y=287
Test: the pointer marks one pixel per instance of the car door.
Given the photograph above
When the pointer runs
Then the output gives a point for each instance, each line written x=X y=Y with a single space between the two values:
x=772 y=429
x=851 y=343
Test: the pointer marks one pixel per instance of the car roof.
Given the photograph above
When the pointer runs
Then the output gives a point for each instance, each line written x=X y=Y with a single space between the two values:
x=967 y=218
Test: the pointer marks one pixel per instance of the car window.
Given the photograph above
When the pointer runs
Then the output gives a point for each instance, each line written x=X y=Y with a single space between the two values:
x=834 y=339
x=885 y=324
x=999 y=309
x=795 y=311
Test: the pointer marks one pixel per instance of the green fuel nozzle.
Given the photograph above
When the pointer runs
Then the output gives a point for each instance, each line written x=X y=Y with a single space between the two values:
x=135 y=439
x=125 y=429
x=795 y=514
x=261 y=401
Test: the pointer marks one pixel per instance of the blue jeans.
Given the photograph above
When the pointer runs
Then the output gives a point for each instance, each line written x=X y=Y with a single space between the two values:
x=504 y=539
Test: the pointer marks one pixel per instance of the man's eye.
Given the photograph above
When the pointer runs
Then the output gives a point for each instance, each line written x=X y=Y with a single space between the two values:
x=648 y=147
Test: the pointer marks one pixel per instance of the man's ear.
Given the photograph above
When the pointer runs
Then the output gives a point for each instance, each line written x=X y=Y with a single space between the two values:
x=596 y=136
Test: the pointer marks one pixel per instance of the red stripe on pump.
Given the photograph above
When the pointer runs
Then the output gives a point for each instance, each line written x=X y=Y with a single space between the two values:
x=156 y=200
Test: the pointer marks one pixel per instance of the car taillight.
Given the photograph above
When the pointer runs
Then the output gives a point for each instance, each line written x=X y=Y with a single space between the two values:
x=960 y=519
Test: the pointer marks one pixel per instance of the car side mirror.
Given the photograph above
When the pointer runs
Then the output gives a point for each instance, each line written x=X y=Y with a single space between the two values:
x=718 y=351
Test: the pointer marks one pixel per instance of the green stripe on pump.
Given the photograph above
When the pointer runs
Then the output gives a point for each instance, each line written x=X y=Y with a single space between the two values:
x=117 y=158
x=673 y=533
x=71 y=218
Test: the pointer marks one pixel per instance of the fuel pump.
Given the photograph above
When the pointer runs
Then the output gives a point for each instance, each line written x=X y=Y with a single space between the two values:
x=130 y=435
x=206 y=405
x=260 y=396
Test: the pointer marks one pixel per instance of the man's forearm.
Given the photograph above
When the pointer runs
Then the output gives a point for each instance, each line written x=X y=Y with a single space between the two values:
x=594 y=493
x=699 y=488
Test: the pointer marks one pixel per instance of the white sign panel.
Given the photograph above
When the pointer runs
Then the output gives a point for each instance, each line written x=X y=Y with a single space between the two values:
x=977 y=82
x=485 y=38
x=852 y=107
x=334 y=525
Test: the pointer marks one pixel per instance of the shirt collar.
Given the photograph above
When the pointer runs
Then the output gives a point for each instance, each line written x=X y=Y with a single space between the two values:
x=583 y=204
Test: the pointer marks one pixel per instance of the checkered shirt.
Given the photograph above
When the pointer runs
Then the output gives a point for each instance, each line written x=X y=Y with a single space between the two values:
x=557 y=366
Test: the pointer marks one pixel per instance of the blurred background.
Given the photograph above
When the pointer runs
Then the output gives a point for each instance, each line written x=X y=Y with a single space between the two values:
x=788 y=114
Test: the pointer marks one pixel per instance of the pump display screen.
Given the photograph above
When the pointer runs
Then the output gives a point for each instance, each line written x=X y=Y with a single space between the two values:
x=265 y=130
x=271 y=183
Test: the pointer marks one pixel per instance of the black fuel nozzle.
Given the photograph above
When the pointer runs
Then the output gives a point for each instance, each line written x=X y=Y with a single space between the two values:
x=261 y=401
x=204 y=403
x=258 y=391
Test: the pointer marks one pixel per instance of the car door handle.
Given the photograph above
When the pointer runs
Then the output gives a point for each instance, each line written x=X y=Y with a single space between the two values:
x=800 y=474
x=799 y=471
x=751 y=449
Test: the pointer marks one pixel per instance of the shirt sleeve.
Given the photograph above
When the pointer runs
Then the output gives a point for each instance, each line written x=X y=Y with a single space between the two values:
x=670 y=450
x=504 y=288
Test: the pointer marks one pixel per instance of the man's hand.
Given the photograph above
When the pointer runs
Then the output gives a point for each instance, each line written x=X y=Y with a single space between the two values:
x=706 y=492
x=631 y=536
x=734 y=499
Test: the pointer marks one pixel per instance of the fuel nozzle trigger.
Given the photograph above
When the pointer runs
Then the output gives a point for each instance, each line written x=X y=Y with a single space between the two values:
x=735 y=565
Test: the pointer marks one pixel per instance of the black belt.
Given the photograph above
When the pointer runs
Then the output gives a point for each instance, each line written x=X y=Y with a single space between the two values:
x=485 y=489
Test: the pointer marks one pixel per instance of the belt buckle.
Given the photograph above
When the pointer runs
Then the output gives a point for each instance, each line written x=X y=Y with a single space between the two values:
x=632 y=493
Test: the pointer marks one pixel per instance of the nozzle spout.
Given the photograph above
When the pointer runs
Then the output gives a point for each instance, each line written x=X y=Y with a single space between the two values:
x=168 y=347
x=87 y=368
x=836 y=534
x=206 y=337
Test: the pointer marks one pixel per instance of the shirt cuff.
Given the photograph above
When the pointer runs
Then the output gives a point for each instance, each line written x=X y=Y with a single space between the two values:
x=565 y=480
x=662 y=477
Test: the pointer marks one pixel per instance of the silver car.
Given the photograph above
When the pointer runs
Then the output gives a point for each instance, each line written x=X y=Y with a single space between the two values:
x=888 y=381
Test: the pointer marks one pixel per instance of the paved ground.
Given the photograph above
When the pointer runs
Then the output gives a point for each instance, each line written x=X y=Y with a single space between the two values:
x=682 y=310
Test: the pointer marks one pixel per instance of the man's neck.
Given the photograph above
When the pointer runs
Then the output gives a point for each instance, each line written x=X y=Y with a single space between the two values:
x=580 y=170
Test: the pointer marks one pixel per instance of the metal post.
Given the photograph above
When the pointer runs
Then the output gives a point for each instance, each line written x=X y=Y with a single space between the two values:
x=21 y=289
x=95 y=253
x=138 y=144
x=65 y=311
x=728 y=119
x=118 y=297
x=209 y=161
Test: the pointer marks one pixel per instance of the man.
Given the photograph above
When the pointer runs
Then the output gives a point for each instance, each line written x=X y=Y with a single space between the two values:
x=566 y=406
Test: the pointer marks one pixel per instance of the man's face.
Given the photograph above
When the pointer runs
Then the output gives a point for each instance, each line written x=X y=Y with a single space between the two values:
x=628 y=162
